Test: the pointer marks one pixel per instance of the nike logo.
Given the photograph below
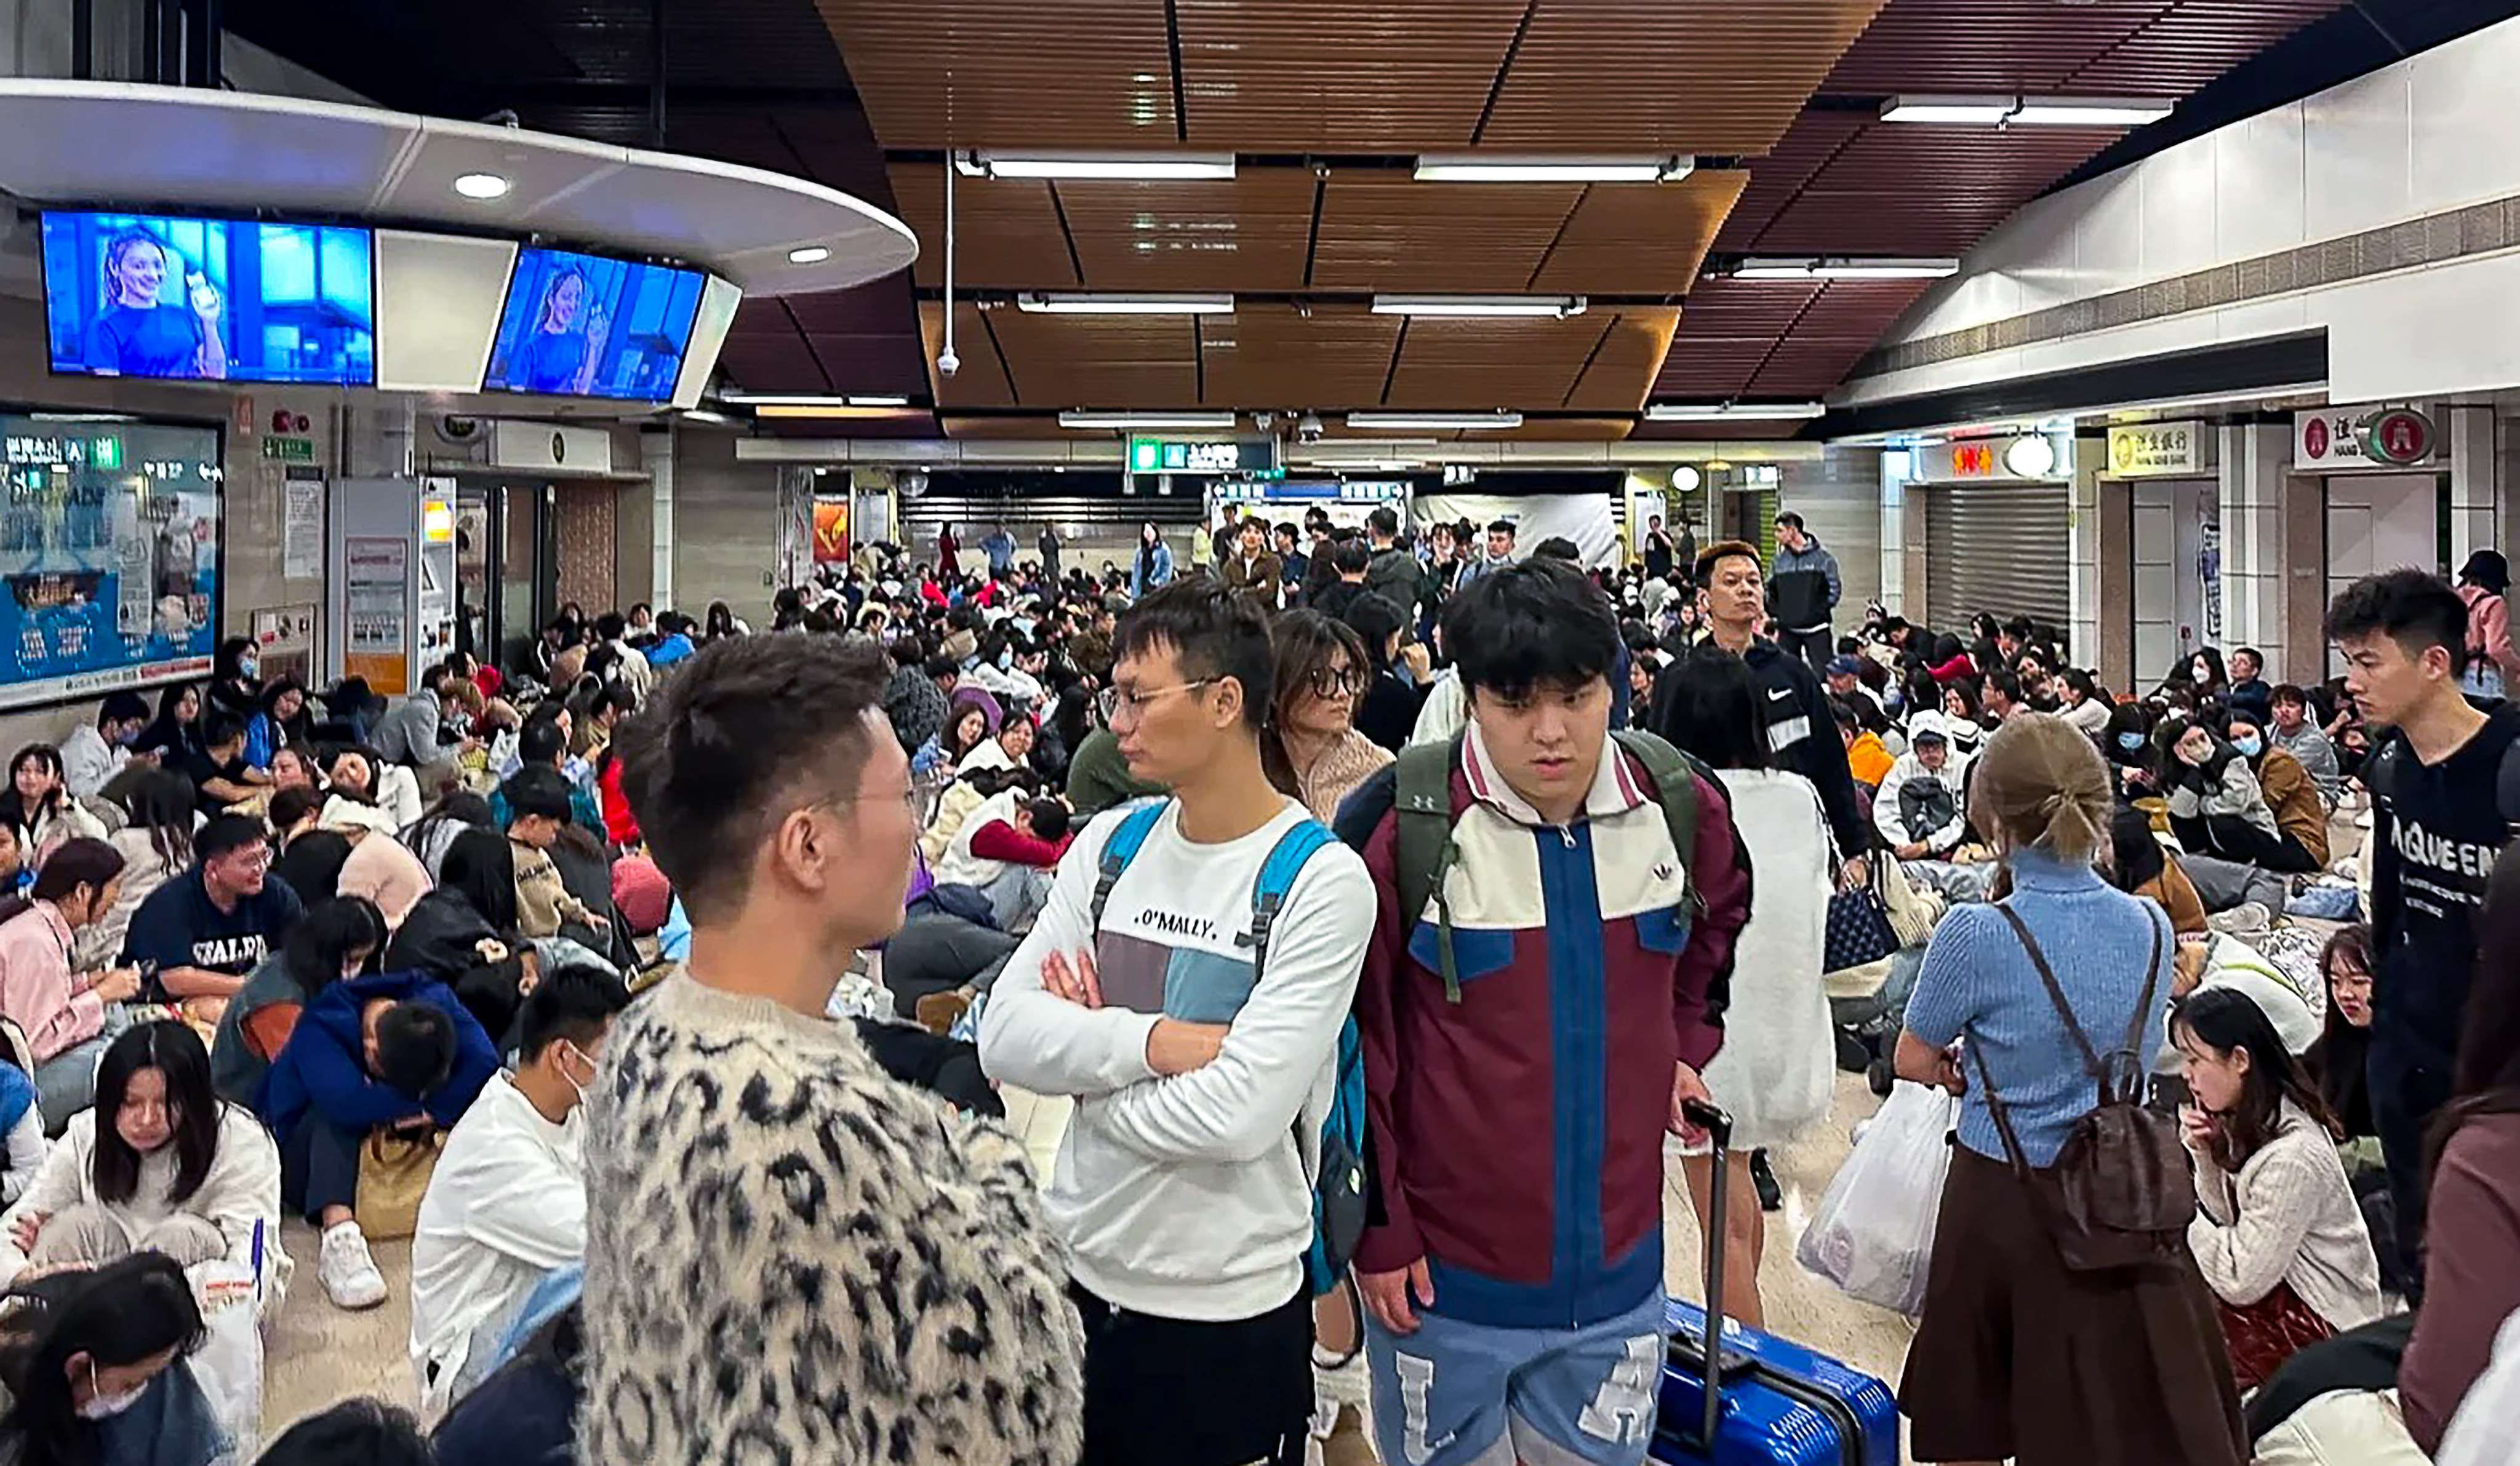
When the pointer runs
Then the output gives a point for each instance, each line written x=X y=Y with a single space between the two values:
x=1779 y=695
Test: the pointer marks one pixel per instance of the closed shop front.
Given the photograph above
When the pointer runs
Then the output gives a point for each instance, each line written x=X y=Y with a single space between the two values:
x=1995 y=540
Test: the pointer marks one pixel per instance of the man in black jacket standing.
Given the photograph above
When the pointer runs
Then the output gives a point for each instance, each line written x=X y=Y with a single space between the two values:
x=1803 y=592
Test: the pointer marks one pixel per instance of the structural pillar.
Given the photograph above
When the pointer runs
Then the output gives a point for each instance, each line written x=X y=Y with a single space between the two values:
x=1898 y=466
x=2255 y=460
x=2475 y=502
x=656 y=456
x=2091 y=458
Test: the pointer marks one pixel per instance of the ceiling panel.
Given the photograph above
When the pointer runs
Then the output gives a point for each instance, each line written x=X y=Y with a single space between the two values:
x=1475 y=365
x=1775 y=179
x=1395 y=75
x=1558 y=431
x=2146 y=48
x=1007 y=234
x=1099 y=361
x=1384 y=233
x=1272 y=356
x=1623 y=365
x=982 y=380
x=1640 y=239
x=1710 y=370
x=1684 y=76
x=1907 y=188
x=765 y=353
x=1251 y=233
x=1082 y=73
x=2199 y=41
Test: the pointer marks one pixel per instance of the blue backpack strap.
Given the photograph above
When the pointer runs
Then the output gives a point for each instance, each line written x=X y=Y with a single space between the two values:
x=1123 y=848
x=1277 y=875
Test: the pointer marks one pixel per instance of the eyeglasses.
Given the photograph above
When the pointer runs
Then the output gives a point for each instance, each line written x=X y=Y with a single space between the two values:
x=1111 y=701
x=1338 y=682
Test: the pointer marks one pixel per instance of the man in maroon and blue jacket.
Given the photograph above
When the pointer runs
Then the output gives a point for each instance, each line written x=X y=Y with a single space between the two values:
x=1512 y=1268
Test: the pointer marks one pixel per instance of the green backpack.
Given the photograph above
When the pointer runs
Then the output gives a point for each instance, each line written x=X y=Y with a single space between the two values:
x=1424 y=852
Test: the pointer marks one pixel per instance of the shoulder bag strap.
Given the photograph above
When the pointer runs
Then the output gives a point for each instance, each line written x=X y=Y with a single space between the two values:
x=2057 y=993
x=1996 y=1108
x=2136 y=1025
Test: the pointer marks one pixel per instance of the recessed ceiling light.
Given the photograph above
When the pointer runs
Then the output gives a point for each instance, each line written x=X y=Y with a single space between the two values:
x=1473 y=167
x=483 y=186
x=1559 y=306
x=1160 y=167
x=809 y=255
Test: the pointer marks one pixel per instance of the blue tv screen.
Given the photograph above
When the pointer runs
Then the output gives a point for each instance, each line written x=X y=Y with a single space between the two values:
x=209 y=299
x=582 y=326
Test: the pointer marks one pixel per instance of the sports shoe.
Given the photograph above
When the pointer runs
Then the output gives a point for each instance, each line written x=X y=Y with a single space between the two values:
x=349 y=1272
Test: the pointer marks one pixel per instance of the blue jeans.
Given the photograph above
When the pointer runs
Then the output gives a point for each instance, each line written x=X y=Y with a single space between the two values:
x=1457 y=1393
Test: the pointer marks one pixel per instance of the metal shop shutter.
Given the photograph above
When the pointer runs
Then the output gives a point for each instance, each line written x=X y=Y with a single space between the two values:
x=1997 y=546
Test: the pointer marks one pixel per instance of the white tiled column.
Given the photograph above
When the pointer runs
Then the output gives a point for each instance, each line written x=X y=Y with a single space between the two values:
x=2091 y=456
x=2475 y=517
x=656 y=456
x=1896 y=465
x=2255 y=457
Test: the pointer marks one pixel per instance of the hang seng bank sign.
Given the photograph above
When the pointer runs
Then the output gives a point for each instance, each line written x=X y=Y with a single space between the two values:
x=2344 y=439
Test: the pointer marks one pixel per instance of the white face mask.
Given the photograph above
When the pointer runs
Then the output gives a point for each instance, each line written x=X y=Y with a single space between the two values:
x=101 y=1405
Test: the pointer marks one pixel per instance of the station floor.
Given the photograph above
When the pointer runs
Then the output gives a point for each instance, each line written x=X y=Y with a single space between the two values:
x=319 y=1354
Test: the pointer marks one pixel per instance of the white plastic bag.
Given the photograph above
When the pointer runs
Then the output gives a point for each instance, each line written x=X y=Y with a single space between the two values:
x=1872 y=1234
x=228 y=1366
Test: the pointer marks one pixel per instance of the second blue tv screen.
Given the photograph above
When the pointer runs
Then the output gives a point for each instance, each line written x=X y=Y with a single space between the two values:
x=209 y=299
x=582 y=326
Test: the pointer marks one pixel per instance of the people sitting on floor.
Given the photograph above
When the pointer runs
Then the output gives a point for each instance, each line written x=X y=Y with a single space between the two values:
x=538 y=810
x=335 y=940
x=67 y=1016
x=391 y=1054
x=159 y=1164
x=1007 y=850
x=2143 y=867
x=2298 y=733
x=2216 y=805
x=507 y=1201
x=2278 y=1235
x=369 y=1432
x=2300 y=815
x=354 y=861
x=94 y=1366
x=204 y=930
x=156 y=846
x=464 y=932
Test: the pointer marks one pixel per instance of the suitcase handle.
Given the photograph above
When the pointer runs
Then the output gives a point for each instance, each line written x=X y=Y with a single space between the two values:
x=1719 y=1128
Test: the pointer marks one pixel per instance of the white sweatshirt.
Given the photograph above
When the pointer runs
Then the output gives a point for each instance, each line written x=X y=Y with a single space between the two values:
x=2288 y=1216
x=1190 y=1196
x=240 y=1194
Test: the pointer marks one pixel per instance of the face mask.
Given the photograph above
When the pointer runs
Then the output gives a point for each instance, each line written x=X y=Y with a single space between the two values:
x=2250 y=747
x=2202 y=675
x=249 y=667
x=573 y=1084
x=2129 y=742
x=101 y=1405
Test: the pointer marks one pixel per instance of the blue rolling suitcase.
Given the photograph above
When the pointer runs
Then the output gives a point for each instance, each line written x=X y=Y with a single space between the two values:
x=1774 y=1402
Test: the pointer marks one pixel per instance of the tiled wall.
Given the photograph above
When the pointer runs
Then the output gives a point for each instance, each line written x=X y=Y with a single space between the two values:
x=588 y=518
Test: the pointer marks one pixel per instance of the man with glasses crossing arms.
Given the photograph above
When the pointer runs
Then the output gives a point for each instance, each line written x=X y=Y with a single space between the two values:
x=1187 y=986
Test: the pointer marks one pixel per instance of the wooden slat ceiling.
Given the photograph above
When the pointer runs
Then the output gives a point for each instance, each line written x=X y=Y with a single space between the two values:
x=1792 y=86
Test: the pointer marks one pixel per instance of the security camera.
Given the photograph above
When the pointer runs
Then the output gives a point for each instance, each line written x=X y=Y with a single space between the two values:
x=1263 y=421
x=947 y=363
x=1308 y=428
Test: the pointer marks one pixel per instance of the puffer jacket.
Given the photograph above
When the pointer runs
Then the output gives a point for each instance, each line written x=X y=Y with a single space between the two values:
x=2294 y=798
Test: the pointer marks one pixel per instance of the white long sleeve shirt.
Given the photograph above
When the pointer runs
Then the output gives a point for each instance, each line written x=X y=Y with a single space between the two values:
x=2288 y=1216
x=1188 y=1196
x=88 y=762
x=506 y=1205
x=240 y=1196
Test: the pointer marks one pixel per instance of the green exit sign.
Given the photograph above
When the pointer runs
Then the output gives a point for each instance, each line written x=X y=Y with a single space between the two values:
x=1146 y=455
x=1251 y=455
x=289 y=449
x=105 y=453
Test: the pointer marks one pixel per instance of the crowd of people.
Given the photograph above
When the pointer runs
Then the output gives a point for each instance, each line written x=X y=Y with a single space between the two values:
x=664 y=987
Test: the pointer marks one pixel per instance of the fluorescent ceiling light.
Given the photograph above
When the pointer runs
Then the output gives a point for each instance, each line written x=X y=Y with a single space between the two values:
x=829 y=407
x=1067 y=304
x=2027 y=112
x=1559 y=306
x=1376 y=465
x=483 y=185
x=1164 y=167
x=1206 y=421
x=1836 y=268
x=1475 y=167
x=809 y=255
x=808 y=399
x=1733 y=412
x=1433 y=421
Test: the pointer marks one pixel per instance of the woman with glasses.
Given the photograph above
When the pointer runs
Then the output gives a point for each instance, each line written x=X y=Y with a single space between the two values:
x=1323 y=672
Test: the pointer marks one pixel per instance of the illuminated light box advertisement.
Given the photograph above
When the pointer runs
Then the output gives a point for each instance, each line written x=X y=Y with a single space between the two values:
x=582 y=326
x=209 y=299
x=110 y=556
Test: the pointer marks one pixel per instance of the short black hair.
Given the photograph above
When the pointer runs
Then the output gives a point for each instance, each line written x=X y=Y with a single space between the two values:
x=2006 y=683
x=942 y=665
x=610 y=626
x=415 y=1047
x=1212 y=633
x=122 y=707
x=1374 y=617
x=1533 y=622
x=1382 y=520
x=535 y=789
x=2287 y=692
x=572 y=1003
x=749 y=731
x=225 y=833
x=1501 y=526
x=541 y=743
x=1788 y=519
x=294 y=804
x=1049 y=818
x=2253 y=654
x=218 y=730
x=1724 y=549
x=2414 y=608
x=1711 y=704
x=1558 y=548
x=2018 y=628
x=1350 y=557
x=363 y=1430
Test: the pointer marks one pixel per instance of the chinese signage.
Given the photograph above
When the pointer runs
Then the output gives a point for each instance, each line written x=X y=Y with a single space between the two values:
x=1974 y=460
x=378 y=633
x=2148 y=449
x=1204 y=456
x=2343 y=438
x=290 y=450
x=110 y=552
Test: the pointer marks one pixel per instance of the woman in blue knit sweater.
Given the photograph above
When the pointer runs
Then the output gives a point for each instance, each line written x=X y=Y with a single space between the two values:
x=2017 y=1355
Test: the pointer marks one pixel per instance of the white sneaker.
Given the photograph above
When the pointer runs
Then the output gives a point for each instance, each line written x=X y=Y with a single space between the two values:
x=349 y=1274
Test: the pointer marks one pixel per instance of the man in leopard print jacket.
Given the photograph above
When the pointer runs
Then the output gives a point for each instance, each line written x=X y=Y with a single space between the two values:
x=791 y=1257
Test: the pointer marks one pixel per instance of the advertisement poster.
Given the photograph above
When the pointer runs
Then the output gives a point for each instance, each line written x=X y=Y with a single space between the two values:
x=110 y=552
x=378 y=606
x=830 y=531
x=301 y=526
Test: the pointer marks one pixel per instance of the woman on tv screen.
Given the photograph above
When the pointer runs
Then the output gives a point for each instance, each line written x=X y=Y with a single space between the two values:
x=137 y=334
x=560 y=355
